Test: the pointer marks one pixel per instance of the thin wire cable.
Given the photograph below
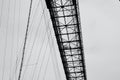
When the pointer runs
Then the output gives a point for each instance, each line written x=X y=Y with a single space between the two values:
x=19 y=77
x=40 y=53
x=5 y=48
x=44 y=54
x=34 y=14
x=49 y=37
x=16 y=65
x=54 y=58
x=42 y=60
x=49 y=44
x=53 y=49
x=32 y=46
x=29 y=32
x=46 y=67
x=17 y=61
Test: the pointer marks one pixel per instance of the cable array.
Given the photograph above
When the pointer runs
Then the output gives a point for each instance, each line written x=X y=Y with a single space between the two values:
x=19 y=74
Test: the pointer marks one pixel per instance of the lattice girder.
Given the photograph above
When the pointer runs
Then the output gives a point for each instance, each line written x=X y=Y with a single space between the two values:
x=66 y=23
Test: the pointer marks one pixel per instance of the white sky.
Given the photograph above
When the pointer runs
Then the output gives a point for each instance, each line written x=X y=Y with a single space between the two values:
x=101 y=36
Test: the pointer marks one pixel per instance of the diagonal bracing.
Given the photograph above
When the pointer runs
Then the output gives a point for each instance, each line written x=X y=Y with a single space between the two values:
x=66 y=23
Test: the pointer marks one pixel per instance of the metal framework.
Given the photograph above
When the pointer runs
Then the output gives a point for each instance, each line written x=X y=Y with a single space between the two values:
x=66 y=23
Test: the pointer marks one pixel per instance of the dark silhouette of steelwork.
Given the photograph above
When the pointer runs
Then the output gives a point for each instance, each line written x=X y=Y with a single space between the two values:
x=66 y=23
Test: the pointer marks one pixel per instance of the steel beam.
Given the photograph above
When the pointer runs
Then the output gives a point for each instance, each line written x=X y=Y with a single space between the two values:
x=66 y=23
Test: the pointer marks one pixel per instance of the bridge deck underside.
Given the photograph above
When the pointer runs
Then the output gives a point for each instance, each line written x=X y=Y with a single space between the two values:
x=65 y=18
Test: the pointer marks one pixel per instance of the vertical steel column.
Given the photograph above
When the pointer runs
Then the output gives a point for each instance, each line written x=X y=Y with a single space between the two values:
x=66 y=23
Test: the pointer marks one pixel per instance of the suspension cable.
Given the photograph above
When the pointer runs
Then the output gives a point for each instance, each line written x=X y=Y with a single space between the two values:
x=25 y=40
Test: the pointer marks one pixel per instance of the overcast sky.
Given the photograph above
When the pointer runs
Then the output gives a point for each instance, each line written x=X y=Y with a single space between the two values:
x=100 y=21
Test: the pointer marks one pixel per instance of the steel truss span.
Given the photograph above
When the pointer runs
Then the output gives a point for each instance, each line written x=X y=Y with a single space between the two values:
x=66 y=23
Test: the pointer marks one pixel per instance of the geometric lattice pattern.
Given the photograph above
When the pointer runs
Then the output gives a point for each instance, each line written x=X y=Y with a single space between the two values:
x=66 y=23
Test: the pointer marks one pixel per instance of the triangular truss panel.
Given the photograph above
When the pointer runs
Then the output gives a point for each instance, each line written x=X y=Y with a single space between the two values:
x=66 y=23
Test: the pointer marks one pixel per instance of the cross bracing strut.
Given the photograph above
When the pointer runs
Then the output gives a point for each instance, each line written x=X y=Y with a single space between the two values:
x=66 y=24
